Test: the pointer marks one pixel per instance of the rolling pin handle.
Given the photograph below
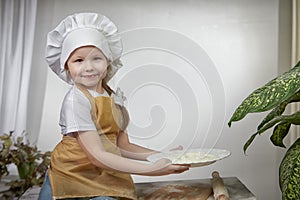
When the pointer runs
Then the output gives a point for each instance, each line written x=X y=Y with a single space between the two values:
x=215 y=174
x=220 y=192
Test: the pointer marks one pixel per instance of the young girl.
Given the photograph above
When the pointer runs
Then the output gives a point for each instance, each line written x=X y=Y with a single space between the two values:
x=95 y=158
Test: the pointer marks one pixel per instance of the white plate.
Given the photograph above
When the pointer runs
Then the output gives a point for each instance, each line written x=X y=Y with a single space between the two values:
x=194 y=157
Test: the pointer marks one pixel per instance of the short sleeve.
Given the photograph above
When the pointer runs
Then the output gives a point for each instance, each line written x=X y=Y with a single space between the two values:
x=75 y=113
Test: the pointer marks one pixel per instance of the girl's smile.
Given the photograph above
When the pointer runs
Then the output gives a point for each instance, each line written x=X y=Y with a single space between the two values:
x=88 y=66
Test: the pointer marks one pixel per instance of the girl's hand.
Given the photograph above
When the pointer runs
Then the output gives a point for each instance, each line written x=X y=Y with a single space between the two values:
x=164 y=167
x=179 y=148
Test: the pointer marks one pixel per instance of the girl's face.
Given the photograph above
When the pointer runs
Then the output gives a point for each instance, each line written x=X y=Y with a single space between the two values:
x=88 y=67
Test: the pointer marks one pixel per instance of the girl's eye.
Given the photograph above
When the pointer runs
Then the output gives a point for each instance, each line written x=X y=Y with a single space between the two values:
x=78 y=60
x=97 y=58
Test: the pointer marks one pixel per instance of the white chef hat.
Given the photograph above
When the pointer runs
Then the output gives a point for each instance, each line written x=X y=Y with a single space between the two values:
x=83 y=29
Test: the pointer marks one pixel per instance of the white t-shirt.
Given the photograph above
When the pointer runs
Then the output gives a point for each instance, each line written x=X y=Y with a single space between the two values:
x=75 y=112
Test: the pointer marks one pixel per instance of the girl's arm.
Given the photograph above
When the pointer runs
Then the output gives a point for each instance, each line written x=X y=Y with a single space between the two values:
x=134 y=151
x=92 y=145
x=131 y=150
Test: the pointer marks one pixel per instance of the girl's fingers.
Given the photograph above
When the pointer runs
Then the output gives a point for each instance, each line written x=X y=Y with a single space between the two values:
x=180 y=147
x=181 y=169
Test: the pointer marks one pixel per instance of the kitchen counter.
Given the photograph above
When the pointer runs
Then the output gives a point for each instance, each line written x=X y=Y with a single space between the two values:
x=236 y=189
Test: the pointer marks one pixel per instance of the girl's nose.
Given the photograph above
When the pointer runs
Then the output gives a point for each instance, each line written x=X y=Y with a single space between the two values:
x=88 y=66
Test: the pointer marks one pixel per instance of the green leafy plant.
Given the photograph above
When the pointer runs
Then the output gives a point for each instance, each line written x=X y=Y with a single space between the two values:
x=31 y=163
x=276 y=95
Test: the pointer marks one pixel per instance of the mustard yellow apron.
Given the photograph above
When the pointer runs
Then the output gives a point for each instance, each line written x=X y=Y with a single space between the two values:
x=73 y=175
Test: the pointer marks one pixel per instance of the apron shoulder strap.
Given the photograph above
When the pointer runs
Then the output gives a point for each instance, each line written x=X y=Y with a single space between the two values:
x=92 y=102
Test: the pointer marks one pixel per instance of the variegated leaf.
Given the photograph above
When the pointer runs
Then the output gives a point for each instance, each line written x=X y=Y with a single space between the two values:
x=292 y=119
x=289 y=173
x=274 y=113
x=279 y=133
x=279 y=109
x=270 y=95
x=249 y=141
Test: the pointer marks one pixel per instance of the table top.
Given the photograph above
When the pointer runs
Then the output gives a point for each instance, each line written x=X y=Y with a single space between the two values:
x=236 y=189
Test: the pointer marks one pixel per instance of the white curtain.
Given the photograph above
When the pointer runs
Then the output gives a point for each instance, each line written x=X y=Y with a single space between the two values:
x=17 y=29
x=295 y=55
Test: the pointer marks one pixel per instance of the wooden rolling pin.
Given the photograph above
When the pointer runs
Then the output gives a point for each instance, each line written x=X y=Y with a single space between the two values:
x=219 y=189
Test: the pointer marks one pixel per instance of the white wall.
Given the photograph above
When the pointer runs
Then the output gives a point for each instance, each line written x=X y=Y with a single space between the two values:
x=237 y=42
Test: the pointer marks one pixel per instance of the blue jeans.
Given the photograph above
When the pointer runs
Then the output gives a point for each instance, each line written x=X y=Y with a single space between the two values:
x=46 y=193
